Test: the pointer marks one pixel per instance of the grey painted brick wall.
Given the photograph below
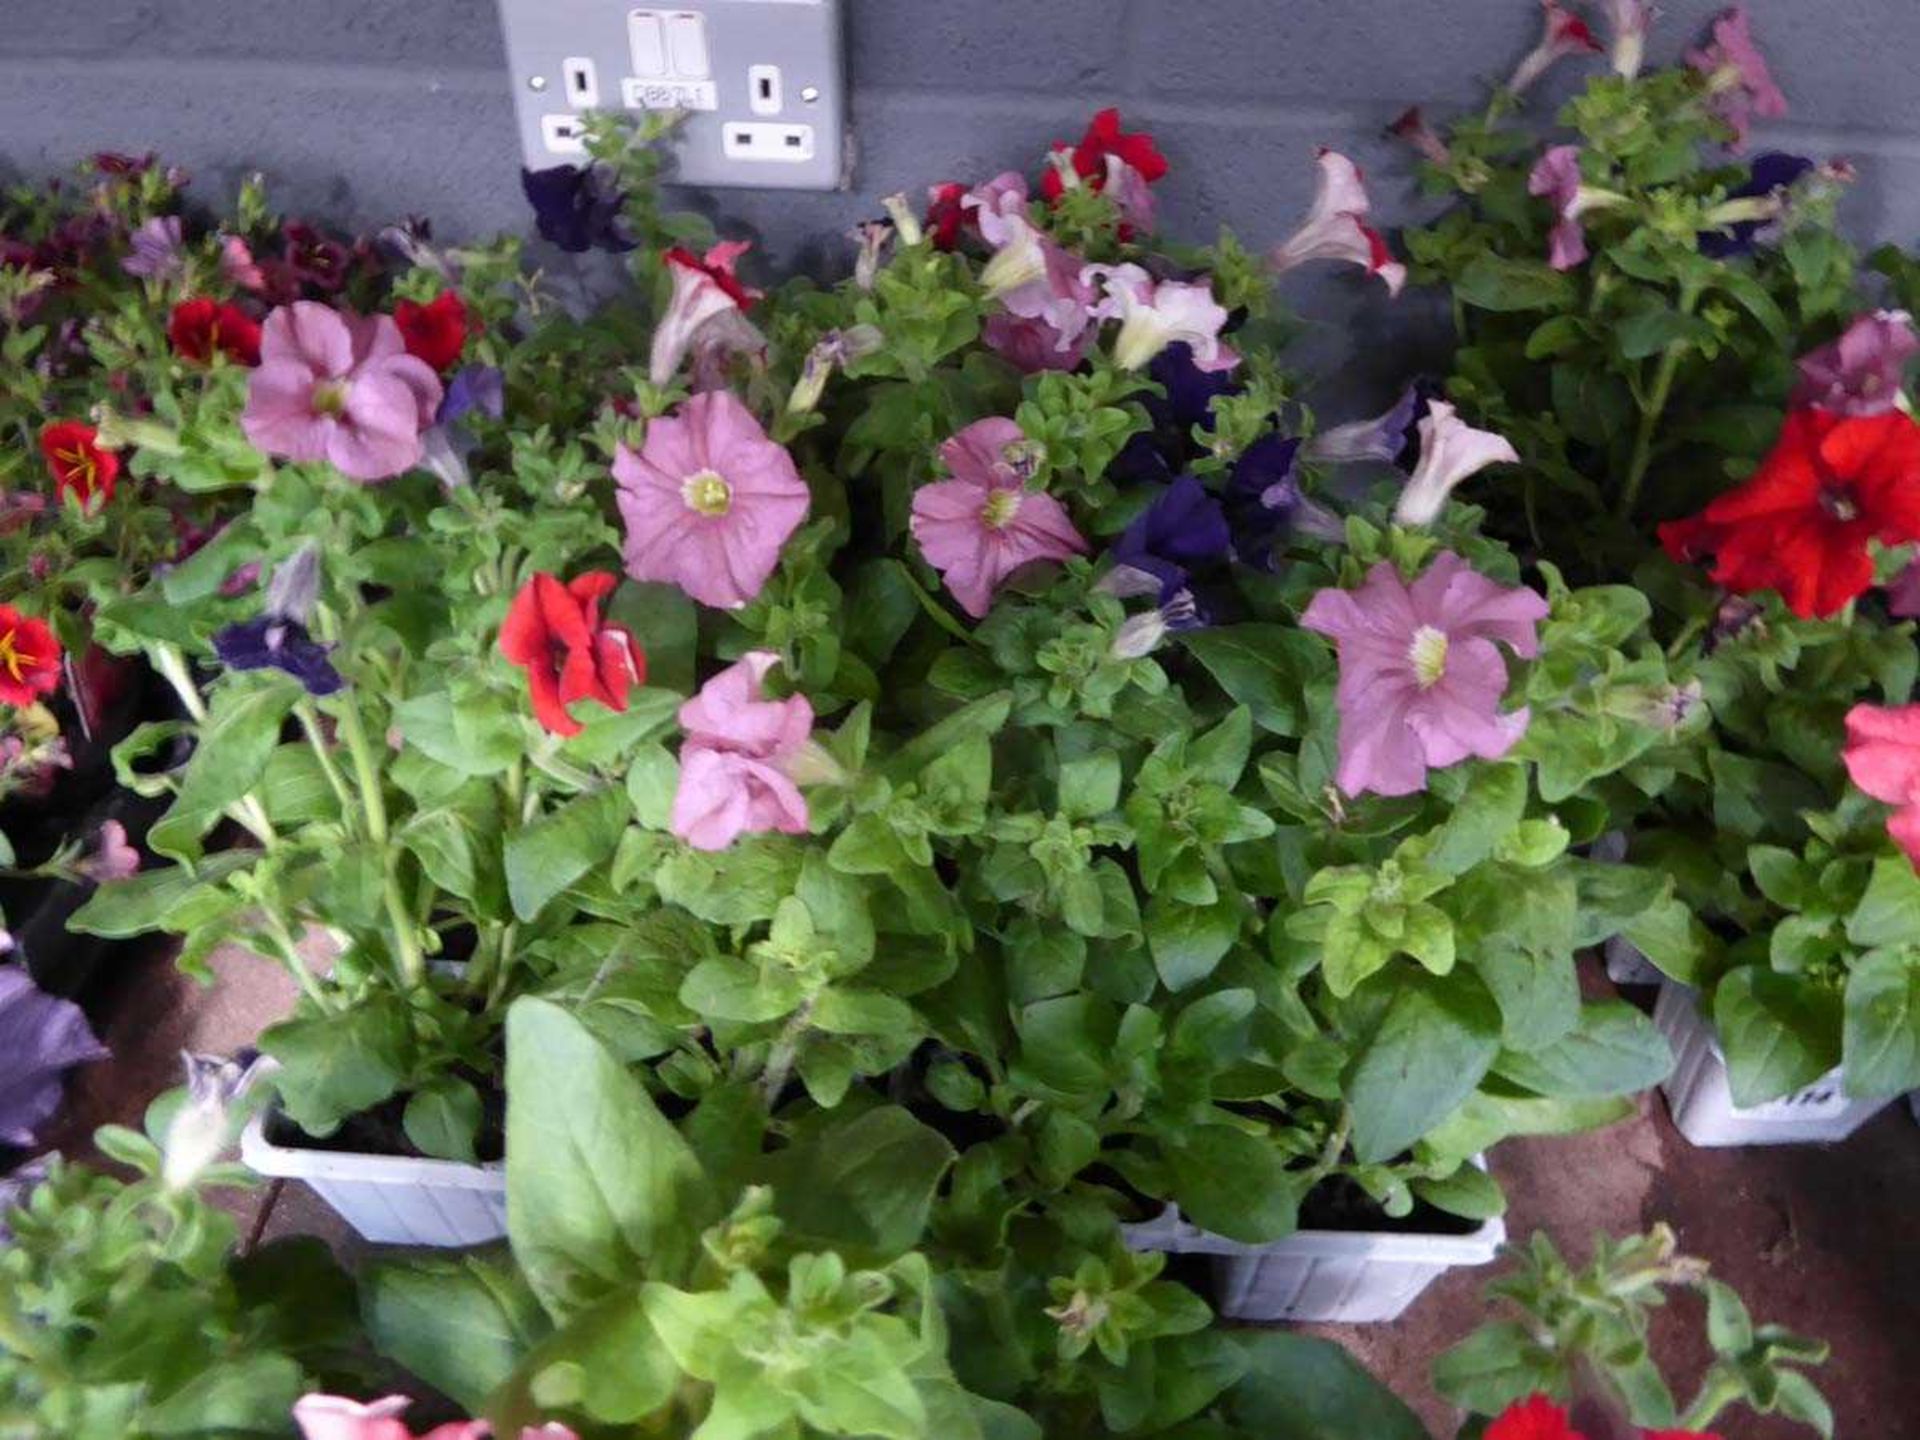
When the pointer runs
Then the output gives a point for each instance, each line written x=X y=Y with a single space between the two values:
x=364 y=110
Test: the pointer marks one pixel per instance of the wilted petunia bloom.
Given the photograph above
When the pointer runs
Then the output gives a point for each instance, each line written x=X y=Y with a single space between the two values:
x=1556 y=177
x=1421 y=675
x=708 y=501
x=979 y=527
x=201 y=1130
x=1336 y=227
x=1450 y=451
x=707 y=309
x=737 y=763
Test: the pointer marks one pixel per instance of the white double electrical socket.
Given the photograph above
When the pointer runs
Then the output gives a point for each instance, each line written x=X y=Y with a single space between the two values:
x=761 y=83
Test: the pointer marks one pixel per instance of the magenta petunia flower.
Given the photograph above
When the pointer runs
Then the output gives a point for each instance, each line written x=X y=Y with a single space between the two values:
x=1450 y=451
x=982 y=525
x=342 y=388
x=112 y=857
x=1741 y=84
x=1556 y=177
x=1864 y=371
x=41 y=1038
x=1562 y=34
x=737 y=763
x=1882 y=756
x=1421 y=675
x=1153 y=314
x=1336 y=227
x=708 y=501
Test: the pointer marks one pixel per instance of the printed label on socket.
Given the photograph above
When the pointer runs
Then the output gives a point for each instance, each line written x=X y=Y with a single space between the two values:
x=670 y=94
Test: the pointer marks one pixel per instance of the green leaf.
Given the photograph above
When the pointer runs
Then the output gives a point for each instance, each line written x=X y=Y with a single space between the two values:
x=459 y=1322
x=1729 y=1326
x=1651 y=329
x=1486 y=814
x=1234 y=1184
x=1780 y=1033
x=470 y=733
x=862 y=1183
x=230 y=755
x=1483 y=1120
x=1265 y=667
x=971 y=721
x=544 y=858
x=1495 y=1366
x=1089 y=785
x=851 y=1010
x=1882 y=1028
x=1298 y=1387
x=334 y=1066
x=1494 y=282
x=1889 y=913
x=121 y=909
x=666 y=623
x=1469 y=1192
x=1435 y=1042
x=250 y=1395
x=1220 y=755
x=442 y=1119
x=599 y=1186
x=1614 y=1050
x=1189 y=941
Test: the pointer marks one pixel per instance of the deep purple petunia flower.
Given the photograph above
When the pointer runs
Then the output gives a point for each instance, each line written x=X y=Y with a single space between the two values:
x=577 y=208
x=41 y=1038
x=1770 y=173
x=478 y=387
x=270 y=643
x=1191 y=391
x=1265 y=502
x=1183 y=529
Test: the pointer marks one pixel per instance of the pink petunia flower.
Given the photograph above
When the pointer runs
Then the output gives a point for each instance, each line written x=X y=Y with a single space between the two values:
x=1336 y=227
x=738 y=762
x=1153 y=314
x=1034 y=278
x=1882 y=756
x=156 y=249
x=1556 y=177
x=707 y=311
x=1450 y=451
x=1412 y=127
x=1132 y=196
x=1421 y=675
x=339 y=387
x=708 y=501
x=237 y=265
x=334 y=1417
x=112 y=857
x=1627 y=24
x=1862 y=372
x=982 y=525
x=1562 y=33
x=1742 y=86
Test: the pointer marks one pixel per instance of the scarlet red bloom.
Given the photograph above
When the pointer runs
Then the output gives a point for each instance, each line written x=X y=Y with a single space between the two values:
x=1104 y=137
x=29 y=658
x=1802 y=523
x=554 y=632
x=435 y=332
x=80 y=466
x=945 y=216
x=201 y=327
x=1534 y=1418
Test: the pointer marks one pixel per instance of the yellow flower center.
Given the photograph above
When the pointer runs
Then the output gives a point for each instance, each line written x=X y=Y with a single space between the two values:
x=1001 y=507
x=1428 y=654
x=330 y=399
x=12 y=657
x=82 y=471
x=707 y=493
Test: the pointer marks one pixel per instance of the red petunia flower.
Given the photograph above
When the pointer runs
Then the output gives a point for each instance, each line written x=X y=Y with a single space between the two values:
x=1801 y=525
x=435 y=332
x=1534 y=1418
x=718 y=266
x=80 y=466
x=554 y=632
x=945 y=215
x=1104 y=137
x=29 y=658
x=201 y=328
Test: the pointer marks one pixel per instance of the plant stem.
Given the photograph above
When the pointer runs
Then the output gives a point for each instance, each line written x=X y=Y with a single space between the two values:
x=365 y=771
x=247 y=811
x=1717 y=1391
x=310 y=724
x=1651 y=411
x=406 y=939
x=781 y=1057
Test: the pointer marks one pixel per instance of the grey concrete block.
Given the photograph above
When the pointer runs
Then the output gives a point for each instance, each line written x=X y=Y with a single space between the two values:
x=1056 y=46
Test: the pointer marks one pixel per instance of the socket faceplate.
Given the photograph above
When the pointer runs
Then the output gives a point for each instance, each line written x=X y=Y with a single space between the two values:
x=771 y=70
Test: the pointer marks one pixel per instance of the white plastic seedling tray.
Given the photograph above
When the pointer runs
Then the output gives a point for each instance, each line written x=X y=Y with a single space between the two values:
x=392 y=1199
x=1701 y=1099
x=1335 y=1276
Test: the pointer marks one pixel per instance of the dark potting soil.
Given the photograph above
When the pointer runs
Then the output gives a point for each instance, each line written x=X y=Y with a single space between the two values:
x=1337 y=1203
x=380 y=1131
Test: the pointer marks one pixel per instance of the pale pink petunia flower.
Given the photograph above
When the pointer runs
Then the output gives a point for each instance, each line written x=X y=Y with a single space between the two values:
x=1864 y=371
x=1627 y=24
x=341 y=388
x=1034 y=277
x=707 y=311
x=1562 y=33
x=1422 y=679
x=112 y=857
x=155 y=252
x=738 y=762
x=1336 y=227
x=1132 y=196
x=1742 y=85
x=1450 y=451
x=708 y=501
x=237 y=265
x=979 y=527
x=1153 y=314
x=1882 y=756
x=1556 y=178
x=334 y=1417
